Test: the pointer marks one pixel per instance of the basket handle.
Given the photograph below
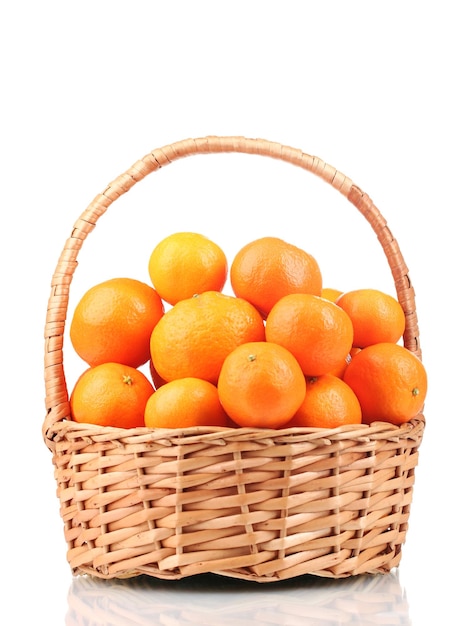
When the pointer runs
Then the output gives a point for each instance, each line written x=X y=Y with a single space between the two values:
x=57 y=398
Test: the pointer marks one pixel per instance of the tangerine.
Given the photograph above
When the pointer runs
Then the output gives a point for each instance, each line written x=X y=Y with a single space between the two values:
x=377 y=317
x=184 y=264
x=316 y=331
x=183 y=403
x=261 y=385
x=194 y=337
x=329 y=293
x=341 y=368
x=113 y=322
x=329 y=403
x=155 y=377
x=389 y=381
x=266 y=269
x=111 y=394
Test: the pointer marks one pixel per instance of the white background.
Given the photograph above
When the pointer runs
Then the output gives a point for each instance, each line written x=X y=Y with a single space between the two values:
x=90 y=87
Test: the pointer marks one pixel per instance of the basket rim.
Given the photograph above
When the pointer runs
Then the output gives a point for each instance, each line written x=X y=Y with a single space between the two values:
x=57 y=397
x=220 y=436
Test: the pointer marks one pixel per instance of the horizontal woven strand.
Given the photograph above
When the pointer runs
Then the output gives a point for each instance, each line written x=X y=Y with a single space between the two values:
x=237 y=540
x=127 y=559
x=198 y=563
x=307 y=521
x=209 y=538
x=301 y=562
x=300 y=541
x=130 y=515
x=125 y=538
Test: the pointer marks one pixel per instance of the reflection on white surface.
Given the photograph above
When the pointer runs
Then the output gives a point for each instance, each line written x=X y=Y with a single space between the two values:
x=209 y=600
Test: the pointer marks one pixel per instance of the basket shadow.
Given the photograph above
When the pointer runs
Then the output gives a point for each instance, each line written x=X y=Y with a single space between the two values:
x=212 y=599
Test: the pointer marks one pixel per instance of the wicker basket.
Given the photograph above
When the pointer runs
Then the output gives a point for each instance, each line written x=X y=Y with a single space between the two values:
x=262 y=505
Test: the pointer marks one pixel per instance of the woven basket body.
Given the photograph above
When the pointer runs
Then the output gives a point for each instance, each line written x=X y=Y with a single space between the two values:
x=263 y=505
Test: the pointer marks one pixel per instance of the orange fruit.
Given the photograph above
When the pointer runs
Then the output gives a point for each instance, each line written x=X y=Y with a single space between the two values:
x=389 y=381
x=155 y=377
x=184 y=264
x=183 y=403
x=329 y=402
x=111 y=394
x=330 y=294
x=377 y=317
x=261 y=385
x=194 y=337
x=341 y=368
x=113 y=322
x=265 y=270
x=316 y=331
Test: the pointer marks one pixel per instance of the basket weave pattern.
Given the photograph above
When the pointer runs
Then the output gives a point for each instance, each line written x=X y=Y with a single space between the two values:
x=252 y=504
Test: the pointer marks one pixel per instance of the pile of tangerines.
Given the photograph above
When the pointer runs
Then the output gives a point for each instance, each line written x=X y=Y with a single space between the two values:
x=279 y=351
